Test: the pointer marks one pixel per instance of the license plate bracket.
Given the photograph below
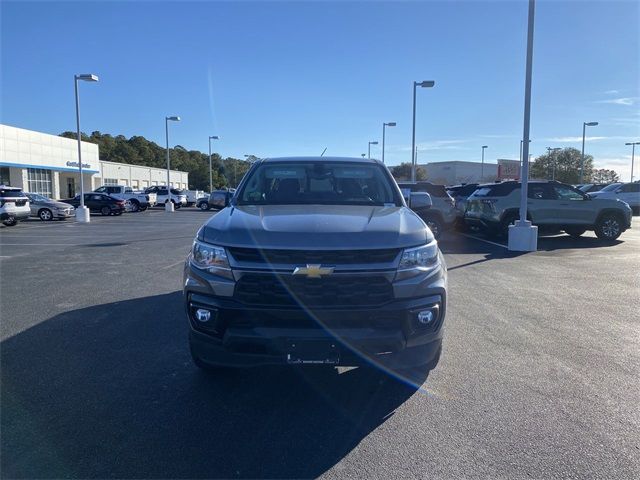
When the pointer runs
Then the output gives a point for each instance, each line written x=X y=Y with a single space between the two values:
x=312 y=352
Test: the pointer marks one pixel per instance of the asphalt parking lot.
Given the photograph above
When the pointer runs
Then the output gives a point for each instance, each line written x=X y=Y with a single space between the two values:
x=539 y=375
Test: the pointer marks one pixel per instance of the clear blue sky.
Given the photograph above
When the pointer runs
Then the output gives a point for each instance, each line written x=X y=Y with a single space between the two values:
x=292 y=78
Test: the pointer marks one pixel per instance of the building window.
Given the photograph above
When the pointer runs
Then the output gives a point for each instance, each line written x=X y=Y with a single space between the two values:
x=39 y=181
x=4 y=176
x=134 y=184
x=110 y=181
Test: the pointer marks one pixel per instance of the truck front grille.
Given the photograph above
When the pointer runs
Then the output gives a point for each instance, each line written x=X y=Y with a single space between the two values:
x=324 y=257
x=332 y=291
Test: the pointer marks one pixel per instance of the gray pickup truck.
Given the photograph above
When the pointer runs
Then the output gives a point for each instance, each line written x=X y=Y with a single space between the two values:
x=316 y=261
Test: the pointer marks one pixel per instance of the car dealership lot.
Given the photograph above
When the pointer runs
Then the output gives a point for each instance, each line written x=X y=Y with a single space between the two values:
x=539 y=375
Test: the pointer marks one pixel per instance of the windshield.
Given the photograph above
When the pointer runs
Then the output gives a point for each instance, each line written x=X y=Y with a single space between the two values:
x=34 y=197
x=611 y=188
x=318 y=183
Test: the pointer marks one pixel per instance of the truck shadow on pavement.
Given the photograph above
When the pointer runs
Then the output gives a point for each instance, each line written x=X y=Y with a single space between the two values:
x=109 y=391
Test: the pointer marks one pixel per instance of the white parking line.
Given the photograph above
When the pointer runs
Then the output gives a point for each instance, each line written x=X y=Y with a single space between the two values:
x=483 y=240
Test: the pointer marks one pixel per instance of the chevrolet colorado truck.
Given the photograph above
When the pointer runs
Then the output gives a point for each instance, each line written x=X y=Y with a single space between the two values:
x=316 y=261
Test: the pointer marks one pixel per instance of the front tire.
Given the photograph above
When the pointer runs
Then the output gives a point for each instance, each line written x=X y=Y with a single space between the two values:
x=204 y=206
x=134 y=205
x=104 y=211
x=609 y=227
x=45 y=215
x=10 y=222
x=503 y=228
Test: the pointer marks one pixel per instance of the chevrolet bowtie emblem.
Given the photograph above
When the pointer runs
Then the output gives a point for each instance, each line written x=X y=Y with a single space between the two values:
x=313 y=271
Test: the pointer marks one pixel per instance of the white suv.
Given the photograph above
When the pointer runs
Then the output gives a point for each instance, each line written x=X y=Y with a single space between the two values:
x=627 y=192
x=14 y=205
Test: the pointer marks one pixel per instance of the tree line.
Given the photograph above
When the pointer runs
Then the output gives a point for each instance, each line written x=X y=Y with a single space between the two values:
x=137 y=150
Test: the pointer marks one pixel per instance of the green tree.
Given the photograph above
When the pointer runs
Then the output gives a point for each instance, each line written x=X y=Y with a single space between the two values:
x=402 y=172
x=603 y=175
x=563 y=166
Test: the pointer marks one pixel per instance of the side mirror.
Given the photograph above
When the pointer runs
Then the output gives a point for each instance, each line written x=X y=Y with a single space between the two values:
x=219 y=200
x=420 y=201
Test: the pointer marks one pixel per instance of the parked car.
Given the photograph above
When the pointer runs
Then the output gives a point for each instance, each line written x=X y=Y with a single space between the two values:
x=592 y=187
x=176 y=196
x=627 y=192
x=218 y=199
x=133 y=201
x=46 y=209
x=441 y=215
x=14 y=205
x=194 y=196
x=99 y=203
x=552 y=206
x=460 y=193
x=319 y=262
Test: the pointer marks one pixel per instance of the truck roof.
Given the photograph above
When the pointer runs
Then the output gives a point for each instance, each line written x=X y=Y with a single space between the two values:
x=319 y=159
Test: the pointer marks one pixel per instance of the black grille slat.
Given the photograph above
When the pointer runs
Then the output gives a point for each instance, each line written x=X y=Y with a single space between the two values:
x=335 y=290
x=323 y=257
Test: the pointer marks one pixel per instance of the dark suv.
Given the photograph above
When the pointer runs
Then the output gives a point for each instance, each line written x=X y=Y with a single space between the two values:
x=316 y=261
x=553 y=206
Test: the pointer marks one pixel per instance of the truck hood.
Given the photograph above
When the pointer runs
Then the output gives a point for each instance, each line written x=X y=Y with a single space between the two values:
x=315 y=227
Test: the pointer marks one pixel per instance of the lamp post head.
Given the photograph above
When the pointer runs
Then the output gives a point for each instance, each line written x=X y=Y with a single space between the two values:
x=390 y=124
x=591 y=124
x=363 y=155
x=485 y=146
x=632 y=143
x=87 y=77
x=214 y=137
x=425 y=84
x=373 y=143
x=173 y=119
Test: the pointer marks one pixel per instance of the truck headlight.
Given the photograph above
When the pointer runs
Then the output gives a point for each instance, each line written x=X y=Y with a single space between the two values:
x=211 y=258
x=423 y=258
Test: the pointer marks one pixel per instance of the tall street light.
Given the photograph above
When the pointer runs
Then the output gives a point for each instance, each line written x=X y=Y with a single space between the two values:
x=363 y=155
x=369 y=148
x=212 y=137
x=168 y=206
x=633 y=153
x=550 y=152
x=82 y=213
x=423 y=84
x=390 y=124
x=482 y=164
x=584 y=129
x=523 y=236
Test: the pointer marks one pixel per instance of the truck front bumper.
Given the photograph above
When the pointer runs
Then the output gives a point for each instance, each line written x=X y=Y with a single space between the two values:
x=390 y=336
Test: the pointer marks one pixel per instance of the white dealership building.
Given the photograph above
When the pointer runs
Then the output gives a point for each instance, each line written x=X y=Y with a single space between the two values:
x=456 y=172
x=48 y=164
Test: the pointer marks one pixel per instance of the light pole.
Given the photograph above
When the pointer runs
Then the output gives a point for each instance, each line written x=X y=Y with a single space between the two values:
x=369 y=148
x=168 y=206
x=423 y=84
x=553 y=167
x=584 y=129
x=633 y=153
x=363 y=155
x=82 y=213
x=390 y=124
x=523 y=236
x=482 y=164
x=212 y=137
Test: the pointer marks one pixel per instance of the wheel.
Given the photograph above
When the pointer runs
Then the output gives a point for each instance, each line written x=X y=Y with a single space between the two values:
x=143 y=208
x=176 y=206
x=575 y=231
x=132 y=205
x=105 y=211
x=45 y=215
x=435 y=225
x=117 y=213
x=204 y=206
x=503 y=228
x=608 y=227
x=10 y=222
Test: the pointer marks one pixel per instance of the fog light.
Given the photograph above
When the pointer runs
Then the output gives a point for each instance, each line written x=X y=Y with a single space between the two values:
x=203 y=315
x=428 y=317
